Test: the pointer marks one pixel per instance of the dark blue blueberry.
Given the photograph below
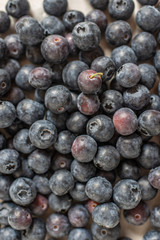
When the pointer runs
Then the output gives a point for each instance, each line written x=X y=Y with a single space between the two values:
x=52 y=25
x=76 y=123
x=7 y=114
x=109 y=175
x=71 y=18
x=122 y=55
x=86 y=36
x=102 y=4
x=23 y=191
x=34 y=55
x=55 y=7
x=4 y=22
x=24 y=169
x=73 y=50
x=14 y=45
x=59 y=120
x=9 y=161
x=43 y=134
x=98 y=17
x=147 y=191
x=55 y=49
x=5 y=183
x=103 y=233
x=78 y=215
x=128 y=169
x=100 y=128
x=5 y=82
x=82 y=172
x=89 y=56
x=144 y=45
x=78 y=192
x=22 y=143
x=127 y=194
x=145 y=21
x=3 y=48
x=40 y=78
x=2 y=141
x=148 y=75
x=121 y=9
x=8 y=233
x=30 y=111
x=107 y=158
x=79 y=233
x=111 y=101
x=152 y=235
x=154 y=102
x=39 y=95
x=17 y=8
x=58 y=225
x=118 y=33
x=42 y=184
x=16 y=126
x=61 y=182
x=29 y=30
x=59 y=204
x=12 y=66
x=147 y=2
x=56 y=70
x=106 y=215
x=64 y=142
x=5 y=209
x=154 y=177
x=58 y=99
x=73 y=106
x=156 y=60
x=88 y=104
x=155 y=217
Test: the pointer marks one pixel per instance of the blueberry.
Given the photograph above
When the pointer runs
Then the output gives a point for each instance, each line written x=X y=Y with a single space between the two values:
x=64 y=142
x=109 y=175
x=8 y=233
x=99 y=189
x=82 y=172
x=58 y=99
x=88 y=104
x=90 y=205
x=147 y=2
x=127 y=194
x=154 y=103
x=61 y=182
x=148 y=192
x=14 y=45
x=5 y=183
x=106 y=215
x=7 y=114
x=42 y=184
x=3 y=48
x=107 y=158
x=39 y=206
x=86 y=35
x=17 y=8
x=81 y=233
x=73 y=50
x=121 y=9
x=118 y=33
x=40 y=78
x=12 y=66
x=148 y=75
x=15 y=95
x=99 y=4
x=156 y=60
x=59 y=204
x=55 y=7
x=78 y=192
x=22 y=191
x=98 y=17
x=152 y=235
x=30 y=111
x=39 y=95
x=73 y=106
x=2 y=142
x=144 y=20
x=100 y=128
x=5 y=82
x=155 y=216
x=71 y=18
x=89 y=56
x=57 y=225
x=154 y=176
x=4 y=22
x=34 y=55
x=111 y=101
x=5 y=209
x=59 y=120
x=56 y=70
x=43 y=134
x=76 y=122
x=128 y=169
x=9 y=161
x=24 y=169
x=52 y=25
x=78 y=215
x=60 y=161
x=55 y=49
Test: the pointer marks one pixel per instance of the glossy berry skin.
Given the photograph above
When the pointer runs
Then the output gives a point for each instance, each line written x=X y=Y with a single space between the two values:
x=84 y=148
x=129 y=146
x=5 y=82
x=14 y=45
x=78 y=192
x=55 y=49
x=22 y=77
x=144 y=45
x=71 y=72
x=148 y=75
x=30 y=111
x=152 y=235
x=59 y=204
x=7 y=114
x=128 y=75
x=103 y=233
x=89 y=56
x=37 y=230
x=155 y=216
x=100 y=128
x=88 y=104
x=9 y=161
x=82 y=172
x=39 y=205
x=122 y=55
x=78 y=215
x=106 y=215
x=118 y=33
x=64 y=142
x=61 y=161
x=80 y=233
x=138 y=215
x=33 y=54
x=86 y=35
x=127 y=194
x=128 y=169
x=88 y=82
x=61 y=182
x=73 y=50
x=99 y=189
x=71 y=18
x=147 y=191
x=42 y=134
x=5 y=209
x=52 y=25
x=22 y=191
x=59 y=120
x=56 y=70
x=105 y=65
x=54 y=7
x=8 y=233
x=145 y=22
x=3 y=48
x=97 y=16
x=19 y=218
x=150 y=155
x=154 y=176
x=15 y=95
x=125 y=121
x=156 y=60
x=121 y=9
x=76 y=122
x=40 y=78
x=5 y=183
x=4 y=22
x=58 y=99
x=107 y=158
x=29 y=30
x=42 y=184
x=12 y=66
x=99 y=4
x=148 y=122
x=111 y=101
x=17 y=8
x=57 y=225
x=154 y=103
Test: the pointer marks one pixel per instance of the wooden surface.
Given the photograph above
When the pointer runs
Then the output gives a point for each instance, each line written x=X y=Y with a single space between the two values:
x=37 y=11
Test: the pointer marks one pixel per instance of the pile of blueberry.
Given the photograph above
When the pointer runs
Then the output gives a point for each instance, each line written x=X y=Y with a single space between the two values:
x=79 y=148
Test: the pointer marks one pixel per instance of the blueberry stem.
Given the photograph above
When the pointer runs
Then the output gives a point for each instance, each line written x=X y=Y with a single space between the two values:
x=99 y=73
